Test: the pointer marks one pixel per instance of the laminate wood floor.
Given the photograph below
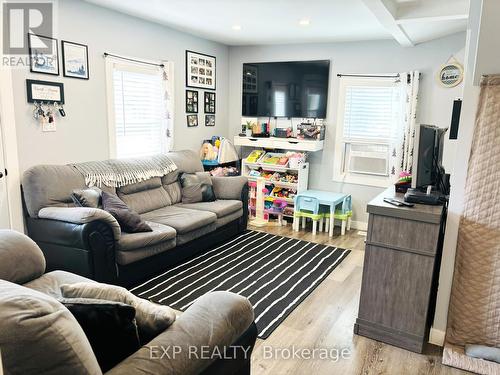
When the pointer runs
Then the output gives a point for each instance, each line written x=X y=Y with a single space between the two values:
x=324 y=321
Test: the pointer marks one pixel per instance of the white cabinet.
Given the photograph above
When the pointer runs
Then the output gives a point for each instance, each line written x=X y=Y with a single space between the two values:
x=292 y=144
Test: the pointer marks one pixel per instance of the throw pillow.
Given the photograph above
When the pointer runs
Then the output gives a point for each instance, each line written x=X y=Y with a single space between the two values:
x=109 y=326
x=152 y=319
x=129 y=220
x=90 y=197
x=197 y=187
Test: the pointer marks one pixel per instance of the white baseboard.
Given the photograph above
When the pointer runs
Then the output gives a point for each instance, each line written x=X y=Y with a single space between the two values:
x=436 y=337
x=360 y=225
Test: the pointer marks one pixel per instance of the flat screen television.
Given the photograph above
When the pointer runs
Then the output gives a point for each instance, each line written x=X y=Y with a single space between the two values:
x=427 y=165
x=285 y=89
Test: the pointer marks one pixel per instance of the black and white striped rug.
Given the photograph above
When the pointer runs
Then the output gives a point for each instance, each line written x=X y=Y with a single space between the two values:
x=275 y=273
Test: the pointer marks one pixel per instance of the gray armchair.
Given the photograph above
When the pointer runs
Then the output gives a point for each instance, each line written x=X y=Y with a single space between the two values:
x=38 y=335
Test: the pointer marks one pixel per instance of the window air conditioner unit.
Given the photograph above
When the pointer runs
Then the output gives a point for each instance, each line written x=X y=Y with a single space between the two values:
x=372 y=159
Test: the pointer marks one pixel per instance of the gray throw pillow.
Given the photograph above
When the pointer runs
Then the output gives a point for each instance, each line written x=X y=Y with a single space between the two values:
x=152 y=319
x=197 y=187
x=129 y=220
x=90 y=197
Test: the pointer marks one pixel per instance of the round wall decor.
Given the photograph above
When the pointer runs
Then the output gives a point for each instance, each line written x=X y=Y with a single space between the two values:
x=450 y=74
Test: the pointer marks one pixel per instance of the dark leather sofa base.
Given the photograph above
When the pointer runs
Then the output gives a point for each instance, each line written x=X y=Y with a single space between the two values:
x=88 y=250
x=142 y=270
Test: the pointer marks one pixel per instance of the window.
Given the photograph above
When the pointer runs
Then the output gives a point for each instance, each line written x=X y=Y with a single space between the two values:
x=138 y=112
x=369 y=123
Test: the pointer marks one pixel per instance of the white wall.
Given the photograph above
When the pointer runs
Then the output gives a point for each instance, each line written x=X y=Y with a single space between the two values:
x=482 y=58
x=359 y=57
x=82 y=135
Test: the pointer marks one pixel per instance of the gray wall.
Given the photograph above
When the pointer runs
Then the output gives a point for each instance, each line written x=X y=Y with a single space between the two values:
x=360 y=57
x=83 y=134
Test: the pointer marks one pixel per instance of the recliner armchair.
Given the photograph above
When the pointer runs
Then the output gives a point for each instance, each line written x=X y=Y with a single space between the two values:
x=38 y=335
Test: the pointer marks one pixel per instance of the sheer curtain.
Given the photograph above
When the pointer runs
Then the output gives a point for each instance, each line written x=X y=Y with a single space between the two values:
x=402 y=152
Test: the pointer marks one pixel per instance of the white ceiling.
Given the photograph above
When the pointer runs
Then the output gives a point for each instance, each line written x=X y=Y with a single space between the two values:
x=277 y=21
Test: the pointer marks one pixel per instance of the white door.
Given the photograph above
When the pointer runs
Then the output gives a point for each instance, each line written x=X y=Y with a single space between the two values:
x=4 y=207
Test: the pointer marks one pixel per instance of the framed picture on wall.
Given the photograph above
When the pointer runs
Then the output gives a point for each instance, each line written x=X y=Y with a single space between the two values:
x=192 y=121
x=200 y=70
x=44 y=55
x=191 y=101
x=209 y=120
x=210 y=102
x=44 y=91
x=75 y=60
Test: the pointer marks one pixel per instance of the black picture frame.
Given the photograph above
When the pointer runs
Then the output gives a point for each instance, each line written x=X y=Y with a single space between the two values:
x=192 y=101
x=209 y=102
x=209 y=120
x=31 y=51
x=192 y=121
x=66 y=42
x=209 y=59
x=32 y=95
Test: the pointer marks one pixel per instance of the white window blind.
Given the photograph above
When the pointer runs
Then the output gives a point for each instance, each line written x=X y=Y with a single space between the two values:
x=371 y=112
x=139 y=111
x=369 y=117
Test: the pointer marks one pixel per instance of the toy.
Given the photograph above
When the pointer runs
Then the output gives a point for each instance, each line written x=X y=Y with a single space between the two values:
x=208 y=152
x=254 y=156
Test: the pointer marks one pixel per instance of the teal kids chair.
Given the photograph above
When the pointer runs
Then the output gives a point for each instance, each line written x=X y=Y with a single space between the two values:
x=306 y=208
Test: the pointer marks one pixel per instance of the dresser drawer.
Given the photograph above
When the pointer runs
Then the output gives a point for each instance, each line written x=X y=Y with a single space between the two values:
x=401 y=234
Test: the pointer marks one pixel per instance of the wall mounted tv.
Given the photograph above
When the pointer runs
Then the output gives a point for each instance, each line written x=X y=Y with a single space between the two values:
x=285 y=89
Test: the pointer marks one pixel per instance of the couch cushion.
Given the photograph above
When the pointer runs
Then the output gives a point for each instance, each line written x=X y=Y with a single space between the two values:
x=50 y=283
x=38 y=335
x=132 y=241
x=51 y=186
x=221 y=221
x=219 y=207
x=130 y=256
x=183 y=220
x=21 y=260
x=174 y=191
x=145 y=196
x=183 y=238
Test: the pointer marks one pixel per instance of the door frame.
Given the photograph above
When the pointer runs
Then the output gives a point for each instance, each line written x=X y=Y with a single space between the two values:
x=11 y=159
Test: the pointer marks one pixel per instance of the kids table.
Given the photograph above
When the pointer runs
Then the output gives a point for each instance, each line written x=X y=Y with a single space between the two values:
x=330 y=199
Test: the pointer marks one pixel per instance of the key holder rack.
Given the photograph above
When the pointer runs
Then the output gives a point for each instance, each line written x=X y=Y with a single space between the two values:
x=48 y=101
x=47 y=109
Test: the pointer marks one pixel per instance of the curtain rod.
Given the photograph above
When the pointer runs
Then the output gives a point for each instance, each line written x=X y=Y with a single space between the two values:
x=134 y=60
x=367 y=76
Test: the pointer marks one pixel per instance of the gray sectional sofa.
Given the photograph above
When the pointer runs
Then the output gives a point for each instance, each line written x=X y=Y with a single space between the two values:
x=88 y=241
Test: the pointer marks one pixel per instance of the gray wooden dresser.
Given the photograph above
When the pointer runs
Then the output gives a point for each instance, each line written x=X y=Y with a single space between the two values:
x=400 y=272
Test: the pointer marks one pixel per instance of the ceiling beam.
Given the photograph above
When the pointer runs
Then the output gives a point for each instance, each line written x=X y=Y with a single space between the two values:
x=385 y=12
x=451 y=17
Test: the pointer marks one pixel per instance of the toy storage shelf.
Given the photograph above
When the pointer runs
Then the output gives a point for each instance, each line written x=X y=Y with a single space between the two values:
x=302 y=172
x=293 y=144
x=288 y=185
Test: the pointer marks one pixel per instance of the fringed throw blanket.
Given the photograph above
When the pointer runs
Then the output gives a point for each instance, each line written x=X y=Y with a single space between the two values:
x=121 y=172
